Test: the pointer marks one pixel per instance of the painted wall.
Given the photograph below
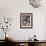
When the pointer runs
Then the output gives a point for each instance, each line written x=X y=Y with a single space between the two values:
x=13 y=8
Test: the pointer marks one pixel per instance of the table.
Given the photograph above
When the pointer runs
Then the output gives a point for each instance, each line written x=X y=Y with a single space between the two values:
x=27 y=42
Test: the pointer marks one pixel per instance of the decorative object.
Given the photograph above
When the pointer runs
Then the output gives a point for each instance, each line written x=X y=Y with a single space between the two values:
x=35 y=38
x=6 y=25
x=26 y=20
x=36 y=3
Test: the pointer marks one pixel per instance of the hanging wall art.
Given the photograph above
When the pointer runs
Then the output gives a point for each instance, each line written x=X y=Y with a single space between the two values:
x=26 y=20
x=36 y=3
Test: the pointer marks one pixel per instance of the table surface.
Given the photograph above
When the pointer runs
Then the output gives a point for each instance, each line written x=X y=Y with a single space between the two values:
x=29 y=41
x=42 y=41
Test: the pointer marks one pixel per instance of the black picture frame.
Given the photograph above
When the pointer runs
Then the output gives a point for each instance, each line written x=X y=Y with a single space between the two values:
x=26 y=20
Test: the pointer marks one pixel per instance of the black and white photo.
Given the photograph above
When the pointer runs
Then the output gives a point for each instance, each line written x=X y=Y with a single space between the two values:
x=26 y=20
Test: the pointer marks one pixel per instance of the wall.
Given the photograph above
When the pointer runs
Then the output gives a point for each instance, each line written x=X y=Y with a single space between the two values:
x=13 y=8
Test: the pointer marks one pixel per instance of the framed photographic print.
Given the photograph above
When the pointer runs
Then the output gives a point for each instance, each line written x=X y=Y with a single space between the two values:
x=26 y=20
